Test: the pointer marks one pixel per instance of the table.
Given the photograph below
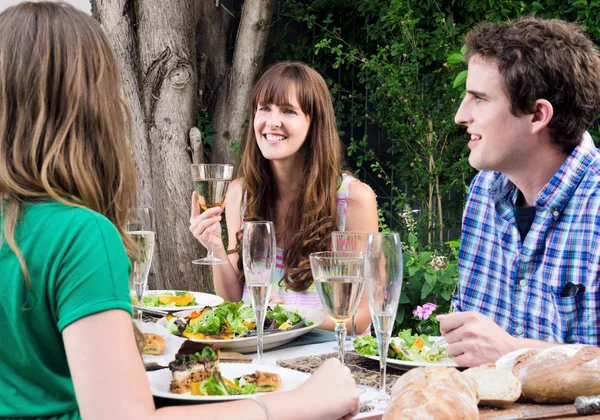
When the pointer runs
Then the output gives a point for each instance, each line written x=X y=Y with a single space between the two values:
x=517 y=410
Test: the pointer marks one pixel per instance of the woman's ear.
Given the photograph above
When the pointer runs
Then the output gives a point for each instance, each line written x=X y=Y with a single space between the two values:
x=542 y=114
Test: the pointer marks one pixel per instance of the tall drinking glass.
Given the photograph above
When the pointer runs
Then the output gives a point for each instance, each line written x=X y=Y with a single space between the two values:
x=211 y=182
x=350 y=241
x=383 y=275
x=140 y=228
x=339 y=279
x=258 y=253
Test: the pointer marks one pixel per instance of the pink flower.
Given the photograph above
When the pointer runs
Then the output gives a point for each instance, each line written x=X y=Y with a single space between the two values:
x=437 y=263
x=423 y=312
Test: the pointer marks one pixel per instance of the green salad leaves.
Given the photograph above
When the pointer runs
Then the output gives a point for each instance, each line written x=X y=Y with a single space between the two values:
x=231 y=320
x=407 y=346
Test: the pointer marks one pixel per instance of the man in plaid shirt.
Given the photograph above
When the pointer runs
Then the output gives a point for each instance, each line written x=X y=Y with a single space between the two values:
x=532 y=219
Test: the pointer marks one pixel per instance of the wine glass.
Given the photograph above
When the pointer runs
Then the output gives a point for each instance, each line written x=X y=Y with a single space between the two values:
x=141 y=230
x=383 y=276
x=258 y=257
x=211 y=182
x=339 y=279
x=350 y=241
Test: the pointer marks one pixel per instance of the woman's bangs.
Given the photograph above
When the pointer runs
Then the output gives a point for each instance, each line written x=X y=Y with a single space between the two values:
x=275 y=90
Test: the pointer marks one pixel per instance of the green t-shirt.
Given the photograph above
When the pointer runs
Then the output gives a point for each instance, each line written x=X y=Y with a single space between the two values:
x=78 y=266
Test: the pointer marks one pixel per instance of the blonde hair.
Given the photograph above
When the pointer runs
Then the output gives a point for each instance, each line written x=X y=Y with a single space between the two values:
x=63 y=121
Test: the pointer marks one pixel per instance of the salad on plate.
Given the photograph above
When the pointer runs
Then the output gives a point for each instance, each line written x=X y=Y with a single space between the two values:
x=232 y=320
x=418 y=348
x=179 y=299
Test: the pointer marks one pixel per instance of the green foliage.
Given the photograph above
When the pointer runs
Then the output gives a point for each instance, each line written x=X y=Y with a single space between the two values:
x=203 y=123
x=399 y=65
x=430 y=276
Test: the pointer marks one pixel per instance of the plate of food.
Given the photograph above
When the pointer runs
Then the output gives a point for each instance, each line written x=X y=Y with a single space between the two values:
x=200 y=377
x=176 y=300
x=407 y=350
x=231 y=325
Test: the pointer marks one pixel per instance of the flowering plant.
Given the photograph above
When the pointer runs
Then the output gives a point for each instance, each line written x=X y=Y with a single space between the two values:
x=429 y=281
x=427 y=325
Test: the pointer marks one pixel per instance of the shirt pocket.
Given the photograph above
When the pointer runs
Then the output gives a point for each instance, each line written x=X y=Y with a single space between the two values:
x=575 y=323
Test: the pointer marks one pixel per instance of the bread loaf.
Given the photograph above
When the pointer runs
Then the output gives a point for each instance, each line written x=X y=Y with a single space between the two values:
x=433 y=393
x=556 y=374
x=496 y=387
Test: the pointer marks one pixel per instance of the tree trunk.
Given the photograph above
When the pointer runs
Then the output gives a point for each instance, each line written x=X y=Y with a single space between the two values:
x=231 y=111
x=173 y=59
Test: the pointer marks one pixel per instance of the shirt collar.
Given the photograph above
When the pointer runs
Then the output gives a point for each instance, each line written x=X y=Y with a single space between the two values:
x=557 y=192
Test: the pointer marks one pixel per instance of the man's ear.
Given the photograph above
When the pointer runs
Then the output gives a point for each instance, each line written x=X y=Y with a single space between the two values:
x=542 y=114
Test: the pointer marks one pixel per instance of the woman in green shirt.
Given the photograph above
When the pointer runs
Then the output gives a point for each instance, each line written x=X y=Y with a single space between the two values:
x=67 y=181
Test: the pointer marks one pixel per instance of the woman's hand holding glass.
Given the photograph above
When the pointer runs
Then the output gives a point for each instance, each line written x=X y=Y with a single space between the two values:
x=206 y=226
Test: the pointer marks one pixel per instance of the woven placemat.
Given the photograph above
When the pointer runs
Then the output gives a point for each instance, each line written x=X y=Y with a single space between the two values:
x=365 y=371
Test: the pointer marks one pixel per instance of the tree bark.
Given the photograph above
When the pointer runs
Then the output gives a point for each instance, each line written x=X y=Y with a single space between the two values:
x=231 y=110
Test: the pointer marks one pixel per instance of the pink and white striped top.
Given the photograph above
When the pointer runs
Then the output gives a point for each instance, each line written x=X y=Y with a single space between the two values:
x=308 y=298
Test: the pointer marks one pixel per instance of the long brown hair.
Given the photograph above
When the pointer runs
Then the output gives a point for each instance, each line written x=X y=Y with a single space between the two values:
x=63 y=122
x=308 y=227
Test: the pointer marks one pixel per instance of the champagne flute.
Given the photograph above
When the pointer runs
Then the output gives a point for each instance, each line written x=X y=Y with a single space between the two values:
x=383 y=275
x=350 y=241
x=211 y=182
x=258 y=253
x=339 y=279
x=141 y=230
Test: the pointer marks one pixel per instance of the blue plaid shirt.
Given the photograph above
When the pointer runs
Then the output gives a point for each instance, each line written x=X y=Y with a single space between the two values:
x=519 y=284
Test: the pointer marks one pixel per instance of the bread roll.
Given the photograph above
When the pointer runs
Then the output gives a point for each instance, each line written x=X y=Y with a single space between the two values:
x=556 y=374
x=434 y=393
x=496 y=387
x=155 y=344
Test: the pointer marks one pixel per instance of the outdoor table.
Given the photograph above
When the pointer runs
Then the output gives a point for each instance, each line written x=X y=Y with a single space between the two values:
x=325 y=344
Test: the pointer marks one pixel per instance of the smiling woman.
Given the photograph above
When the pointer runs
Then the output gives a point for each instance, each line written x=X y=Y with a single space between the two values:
x=291 y=174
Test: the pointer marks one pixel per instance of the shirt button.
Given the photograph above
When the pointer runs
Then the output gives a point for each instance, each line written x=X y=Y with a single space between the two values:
x=523 y=283
x=555 y=213
x=519 y=330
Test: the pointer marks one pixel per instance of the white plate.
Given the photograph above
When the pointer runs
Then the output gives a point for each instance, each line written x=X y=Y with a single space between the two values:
x=172 y=343
x=202 y=300
x=405 y=364
x=290 y=379
x=248 y=344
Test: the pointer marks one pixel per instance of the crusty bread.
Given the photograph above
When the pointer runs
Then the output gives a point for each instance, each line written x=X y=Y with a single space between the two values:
x=557 y=374
x=154 y=345
x=496 y=387
x=434 y=393
x=268 y=382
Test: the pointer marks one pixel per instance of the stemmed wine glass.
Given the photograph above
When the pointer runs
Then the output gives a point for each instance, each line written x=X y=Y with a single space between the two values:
x=383 y=275
x=339 y=279
x=258 y=257
x=211 y=182
x=350 y=241
x=140 y=228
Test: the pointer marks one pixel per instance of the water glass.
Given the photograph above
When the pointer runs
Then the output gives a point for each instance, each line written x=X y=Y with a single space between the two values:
x=383 y=277
x=258 y=257
x=339 y=279
x=140 y=227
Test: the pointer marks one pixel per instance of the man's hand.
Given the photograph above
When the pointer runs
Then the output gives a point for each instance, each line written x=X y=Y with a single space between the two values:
x=474 y=339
